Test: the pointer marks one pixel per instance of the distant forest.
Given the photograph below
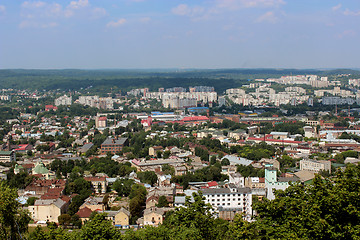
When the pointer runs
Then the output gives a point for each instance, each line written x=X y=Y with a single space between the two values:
x=103 y=80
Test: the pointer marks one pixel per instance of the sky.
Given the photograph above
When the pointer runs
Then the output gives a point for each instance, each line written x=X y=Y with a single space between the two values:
x=132 y=34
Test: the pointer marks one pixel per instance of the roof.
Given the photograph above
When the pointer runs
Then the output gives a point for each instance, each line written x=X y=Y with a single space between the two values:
x=84 y=212
x=160 y=211
x=304 y=175
x=212 y=184
x=288 y=179
x=102 y=118
x=113 y=141
x=58 y=202
x=279 y=133
x=86 y=147
x=195 y=118
x=95 y=179
x=40 y=169
x=7 y=153
x=211 y=191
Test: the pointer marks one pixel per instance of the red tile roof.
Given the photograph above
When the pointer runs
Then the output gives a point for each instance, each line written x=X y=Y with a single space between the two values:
x=84 y=212
x=95 y=179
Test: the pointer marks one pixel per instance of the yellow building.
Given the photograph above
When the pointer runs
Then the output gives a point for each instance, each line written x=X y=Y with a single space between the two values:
x=155 y=216
x=48 y=210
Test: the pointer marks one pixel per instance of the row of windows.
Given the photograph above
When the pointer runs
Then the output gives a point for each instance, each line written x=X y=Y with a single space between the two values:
x=225 y=195
x=228 y=204
x=234 y=199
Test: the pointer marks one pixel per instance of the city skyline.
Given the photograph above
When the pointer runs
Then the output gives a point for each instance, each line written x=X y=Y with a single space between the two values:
x=135 y=34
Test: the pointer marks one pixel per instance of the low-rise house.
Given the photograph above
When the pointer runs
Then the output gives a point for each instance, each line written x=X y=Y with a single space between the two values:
x=118 y=218
x=153 y=200
x=84 y=214
x=153 y=150
x=155 y=216
x=93 y=203
x=40 y=187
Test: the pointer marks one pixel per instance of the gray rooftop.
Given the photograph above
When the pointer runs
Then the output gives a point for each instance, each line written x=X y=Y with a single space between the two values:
x=211 y=191
x=110 y=141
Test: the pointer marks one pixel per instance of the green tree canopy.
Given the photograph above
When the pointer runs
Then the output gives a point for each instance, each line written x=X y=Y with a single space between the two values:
x=13 y=220
x=326 y=209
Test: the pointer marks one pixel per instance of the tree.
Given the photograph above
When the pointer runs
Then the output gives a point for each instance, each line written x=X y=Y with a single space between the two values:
x=31 y=201
x=13 y=220
x=137 y=201
x=29 y=153
x=64 y=220
x=123 y=186
x=162 y=202
x=99 y=228
x=225 y=162
x=213 y=160
x=166 y=154
x=148 y=177
x=327 y=209
x=196 y=216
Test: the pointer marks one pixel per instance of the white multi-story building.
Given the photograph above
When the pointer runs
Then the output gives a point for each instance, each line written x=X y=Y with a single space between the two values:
x=236 y=199
x=315 y=166
x=63 y=100
x=97 y=102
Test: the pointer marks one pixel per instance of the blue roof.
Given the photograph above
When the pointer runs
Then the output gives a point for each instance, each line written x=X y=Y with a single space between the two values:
x=198 y=108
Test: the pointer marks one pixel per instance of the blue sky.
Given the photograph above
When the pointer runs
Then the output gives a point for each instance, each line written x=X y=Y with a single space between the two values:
x=93 y=34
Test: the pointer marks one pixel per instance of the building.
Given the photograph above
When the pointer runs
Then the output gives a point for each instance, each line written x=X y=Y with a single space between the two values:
x=84 y=214
x=272 y=182
x=48 y=210
x=315 y=166
x=101 y=122
x=93 y=203
x=7 y=156
x=236 y=199
x=153 y=150
x=118 y=218
x=99 y=183
x=63 y=100
x=155 y=216
x=113 y=145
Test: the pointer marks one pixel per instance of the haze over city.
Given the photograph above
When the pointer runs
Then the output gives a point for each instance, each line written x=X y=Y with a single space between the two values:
x=92 y=34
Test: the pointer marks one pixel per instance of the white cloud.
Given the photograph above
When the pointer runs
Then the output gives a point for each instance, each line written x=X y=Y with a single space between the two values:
x=118 y=23
x=185 y=10
x=348 y=12
x=45 y=14
x=36 y=4
x=236 y=4
x=337 y=7
x=78 y=4
x=267 y=17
